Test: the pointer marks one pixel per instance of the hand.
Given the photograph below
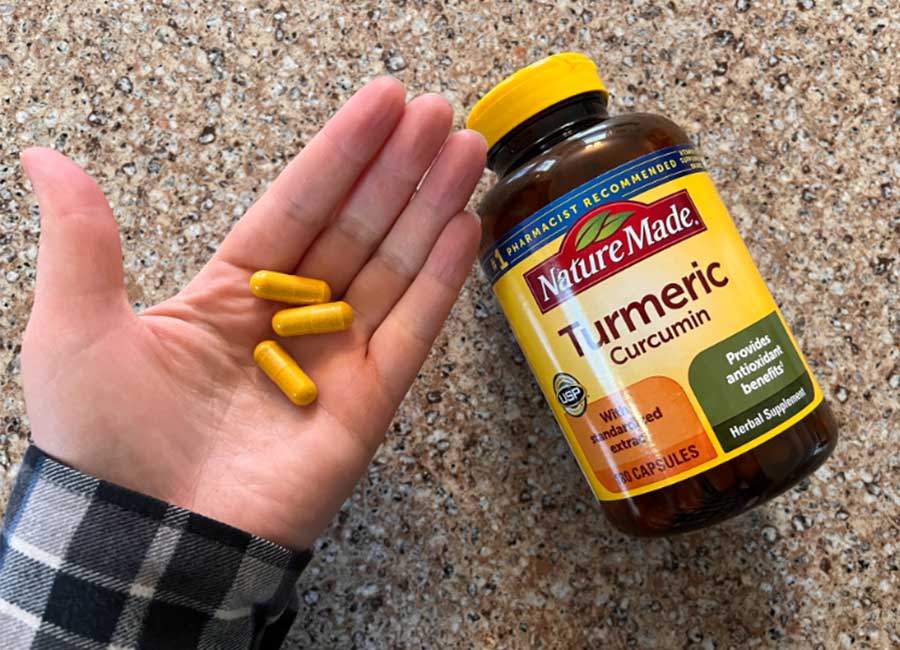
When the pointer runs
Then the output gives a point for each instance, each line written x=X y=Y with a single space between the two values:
x=169 y=402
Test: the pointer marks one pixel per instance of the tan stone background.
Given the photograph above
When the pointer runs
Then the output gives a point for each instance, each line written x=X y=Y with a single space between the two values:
x=473 y=528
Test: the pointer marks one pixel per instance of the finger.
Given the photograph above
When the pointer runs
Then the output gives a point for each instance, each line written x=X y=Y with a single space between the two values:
x=397 y=261
x=79 y=274
x=401 y=343
x=276 y=231
x=380 y=195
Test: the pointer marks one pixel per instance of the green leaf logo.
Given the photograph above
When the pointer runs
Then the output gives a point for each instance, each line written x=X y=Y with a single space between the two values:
x=600 y=227
x=588 y=233
x=612 y=224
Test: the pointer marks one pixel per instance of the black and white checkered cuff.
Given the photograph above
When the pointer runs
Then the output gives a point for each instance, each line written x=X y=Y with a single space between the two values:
x=88 y=564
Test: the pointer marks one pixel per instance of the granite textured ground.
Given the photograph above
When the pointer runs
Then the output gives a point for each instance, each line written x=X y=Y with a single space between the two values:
x=473 y=528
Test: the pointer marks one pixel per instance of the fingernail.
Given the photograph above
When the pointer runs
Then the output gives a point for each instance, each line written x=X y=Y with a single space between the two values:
x=478 y=135
x=31 y=160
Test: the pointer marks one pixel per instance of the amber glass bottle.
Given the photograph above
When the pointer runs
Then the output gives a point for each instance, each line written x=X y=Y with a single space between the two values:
x=668 y=366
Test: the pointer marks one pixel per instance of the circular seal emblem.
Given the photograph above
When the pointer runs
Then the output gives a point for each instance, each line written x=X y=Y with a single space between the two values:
x=570 y=394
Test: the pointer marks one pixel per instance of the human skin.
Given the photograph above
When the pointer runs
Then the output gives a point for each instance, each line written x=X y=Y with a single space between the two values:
x=169 y=402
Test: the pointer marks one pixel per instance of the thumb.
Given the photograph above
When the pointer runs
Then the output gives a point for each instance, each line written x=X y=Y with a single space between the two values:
x=79 y=273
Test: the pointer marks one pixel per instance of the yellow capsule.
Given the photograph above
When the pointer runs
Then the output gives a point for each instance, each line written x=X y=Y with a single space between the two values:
x=292 y=289
x=313 y=319
x=284 y=371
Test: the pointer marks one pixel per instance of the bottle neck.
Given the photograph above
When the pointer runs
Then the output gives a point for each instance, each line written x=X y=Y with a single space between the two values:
x=549 y=127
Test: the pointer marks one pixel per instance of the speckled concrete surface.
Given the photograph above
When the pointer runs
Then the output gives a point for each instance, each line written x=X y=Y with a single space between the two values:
x=473 y=528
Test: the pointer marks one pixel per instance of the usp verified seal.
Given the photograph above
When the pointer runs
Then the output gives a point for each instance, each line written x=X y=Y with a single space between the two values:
x=570 y=394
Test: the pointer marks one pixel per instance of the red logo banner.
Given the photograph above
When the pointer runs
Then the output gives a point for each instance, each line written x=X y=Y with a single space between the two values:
x=609 y=239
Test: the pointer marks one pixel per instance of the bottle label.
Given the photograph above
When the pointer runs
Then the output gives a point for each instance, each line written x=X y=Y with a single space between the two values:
x=648 y=327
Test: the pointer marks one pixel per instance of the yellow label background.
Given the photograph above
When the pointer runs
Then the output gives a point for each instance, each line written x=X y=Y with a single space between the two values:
x=745 y=300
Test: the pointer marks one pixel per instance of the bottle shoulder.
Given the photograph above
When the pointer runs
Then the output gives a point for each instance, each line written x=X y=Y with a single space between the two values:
x=566 y=165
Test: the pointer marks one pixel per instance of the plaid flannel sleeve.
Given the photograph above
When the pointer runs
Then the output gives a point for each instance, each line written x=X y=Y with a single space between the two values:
x=88 y=564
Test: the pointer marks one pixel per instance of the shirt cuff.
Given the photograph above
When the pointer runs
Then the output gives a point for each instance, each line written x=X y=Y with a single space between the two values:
x=85 y=563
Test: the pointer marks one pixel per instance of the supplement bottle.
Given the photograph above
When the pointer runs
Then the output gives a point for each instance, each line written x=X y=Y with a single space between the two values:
x=675 y=379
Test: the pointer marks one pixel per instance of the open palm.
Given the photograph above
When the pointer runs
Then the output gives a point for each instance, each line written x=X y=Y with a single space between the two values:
x=169 y=401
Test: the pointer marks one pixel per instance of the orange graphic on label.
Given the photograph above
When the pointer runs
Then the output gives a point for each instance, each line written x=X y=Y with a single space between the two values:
x=643 y=434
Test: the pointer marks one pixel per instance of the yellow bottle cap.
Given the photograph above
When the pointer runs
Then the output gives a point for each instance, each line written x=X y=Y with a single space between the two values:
x=527 y=92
